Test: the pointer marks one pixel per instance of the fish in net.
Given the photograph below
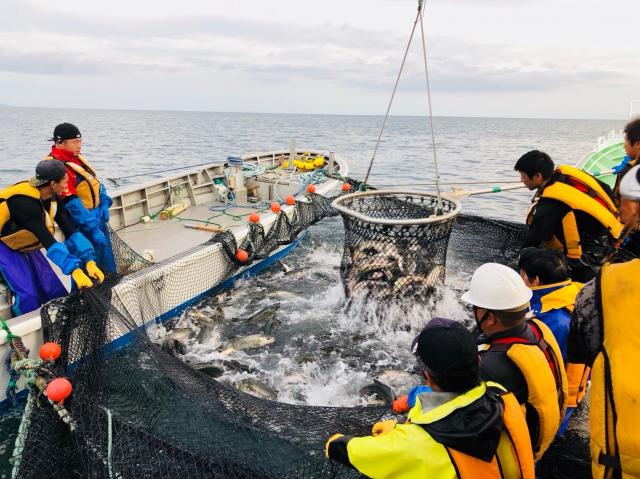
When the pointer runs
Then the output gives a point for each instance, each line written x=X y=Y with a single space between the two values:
x=137 y=411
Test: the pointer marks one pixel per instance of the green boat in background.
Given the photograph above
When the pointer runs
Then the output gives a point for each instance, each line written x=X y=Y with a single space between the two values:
x=609 y=152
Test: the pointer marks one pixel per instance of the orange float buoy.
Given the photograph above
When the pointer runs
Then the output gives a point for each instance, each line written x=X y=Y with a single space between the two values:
x=254 y=218
x=59 y=389
x=346 y=186
x=242 y=255
x=275 y=207
x=311 y=189
x=290 y=200
x=50 y=351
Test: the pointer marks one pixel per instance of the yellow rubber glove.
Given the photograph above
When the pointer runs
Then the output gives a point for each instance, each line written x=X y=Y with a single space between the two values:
x=81 y=279
x=326 y=446
x=94 y=271
x=383 y=427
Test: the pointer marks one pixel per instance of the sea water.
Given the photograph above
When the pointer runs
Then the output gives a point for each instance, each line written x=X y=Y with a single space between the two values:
x=129 y=147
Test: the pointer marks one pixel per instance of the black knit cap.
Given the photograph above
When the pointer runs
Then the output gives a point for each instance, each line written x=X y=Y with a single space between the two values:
x=48 y=170
x=446 y=346
x=65 y=131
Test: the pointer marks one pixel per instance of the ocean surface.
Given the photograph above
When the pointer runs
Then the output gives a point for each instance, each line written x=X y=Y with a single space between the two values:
x=124 y=143
x=322 y=354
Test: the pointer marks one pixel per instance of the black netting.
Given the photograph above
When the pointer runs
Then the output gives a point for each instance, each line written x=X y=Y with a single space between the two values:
x=137 y=411
x=391 y=261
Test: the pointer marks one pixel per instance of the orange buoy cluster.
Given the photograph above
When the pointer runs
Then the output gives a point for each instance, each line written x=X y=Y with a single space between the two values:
x=242 y=255
x=290 y=200
x=254 y=218
x=275 y=207
x=58 y=389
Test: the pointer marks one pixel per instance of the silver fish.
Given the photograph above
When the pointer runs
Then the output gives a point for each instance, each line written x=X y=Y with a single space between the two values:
x=256 y=388
x=176 y=341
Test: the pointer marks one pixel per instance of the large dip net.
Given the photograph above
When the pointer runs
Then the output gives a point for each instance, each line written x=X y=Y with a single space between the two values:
x=395 y=243
x=139 y=412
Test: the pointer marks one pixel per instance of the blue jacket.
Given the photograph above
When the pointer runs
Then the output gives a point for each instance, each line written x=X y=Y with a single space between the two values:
x=553 y=304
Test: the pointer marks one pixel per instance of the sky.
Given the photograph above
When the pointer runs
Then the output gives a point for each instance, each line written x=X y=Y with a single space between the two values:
x=504 y=58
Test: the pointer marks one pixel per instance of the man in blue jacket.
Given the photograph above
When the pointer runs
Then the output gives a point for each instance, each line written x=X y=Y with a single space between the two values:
x=86 y=198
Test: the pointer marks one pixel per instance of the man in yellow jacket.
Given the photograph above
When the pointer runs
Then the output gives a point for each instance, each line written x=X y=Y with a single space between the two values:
x=605 y=333
x=463 y=428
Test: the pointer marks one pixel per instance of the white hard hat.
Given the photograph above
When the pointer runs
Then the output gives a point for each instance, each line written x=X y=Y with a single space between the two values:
x=630 y=184
x=497 y=287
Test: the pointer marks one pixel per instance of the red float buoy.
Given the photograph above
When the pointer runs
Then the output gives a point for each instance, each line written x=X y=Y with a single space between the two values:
x=242 y=255
x=50 y=351
x=290 y=200
x=275 y=207
x=59 y=389
x=346 y=186
x=254 y=218
x=311 y=189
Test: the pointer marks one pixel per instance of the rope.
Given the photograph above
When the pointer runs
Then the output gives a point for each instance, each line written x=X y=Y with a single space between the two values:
x=433 y=134
x=109 y=443
x=393 y=94
x=21 y=438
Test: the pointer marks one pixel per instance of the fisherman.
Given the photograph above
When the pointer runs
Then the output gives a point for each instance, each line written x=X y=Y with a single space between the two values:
x=520 y=354
x=545 y=272
x=605 y=334
x=27 y=213
x=86 y=199
x=632 y=150
x=571 y=211
x=464 y=428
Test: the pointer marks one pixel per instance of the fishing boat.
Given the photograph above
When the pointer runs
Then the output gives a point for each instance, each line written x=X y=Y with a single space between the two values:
x=196 y=204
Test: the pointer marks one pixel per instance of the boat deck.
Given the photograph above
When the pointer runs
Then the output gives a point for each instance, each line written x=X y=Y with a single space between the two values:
x=159 y=239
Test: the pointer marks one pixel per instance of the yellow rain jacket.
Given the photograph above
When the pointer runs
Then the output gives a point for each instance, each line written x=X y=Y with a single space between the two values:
x=82 y=181
x=24 y=240
x=614 y=415
x=479 y=434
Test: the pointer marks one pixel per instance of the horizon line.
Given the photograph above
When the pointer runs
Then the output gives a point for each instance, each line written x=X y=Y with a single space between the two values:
x=162 y=110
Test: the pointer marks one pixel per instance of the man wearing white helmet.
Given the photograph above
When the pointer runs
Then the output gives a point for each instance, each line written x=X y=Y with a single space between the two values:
x=520 y=354
x=605 y=333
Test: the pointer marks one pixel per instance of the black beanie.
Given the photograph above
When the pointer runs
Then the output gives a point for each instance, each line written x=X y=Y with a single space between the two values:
x=65 y=131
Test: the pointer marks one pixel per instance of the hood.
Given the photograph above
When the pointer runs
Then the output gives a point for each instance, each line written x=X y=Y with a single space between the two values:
x=470 y=423
x=555 y=296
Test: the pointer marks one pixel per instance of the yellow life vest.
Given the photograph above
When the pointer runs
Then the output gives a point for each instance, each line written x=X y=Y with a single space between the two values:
x=88 y=185
x=542 y=366
x=614 y=415
x=409 y=451
x=577 y=374
x=514 y=450
x=24 y=240
x=603 y=209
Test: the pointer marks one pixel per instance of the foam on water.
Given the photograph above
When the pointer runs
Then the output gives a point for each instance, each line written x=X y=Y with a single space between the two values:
x=325 y=350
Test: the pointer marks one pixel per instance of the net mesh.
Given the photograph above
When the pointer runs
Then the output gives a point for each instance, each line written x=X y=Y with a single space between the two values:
x=137 y=411
x=393 y=261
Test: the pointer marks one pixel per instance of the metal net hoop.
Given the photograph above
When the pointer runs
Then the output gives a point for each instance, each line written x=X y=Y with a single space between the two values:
x=395 y=242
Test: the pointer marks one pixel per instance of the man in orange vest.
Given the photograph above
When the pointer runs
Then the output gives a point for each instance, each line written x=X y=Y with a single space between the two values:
x=571 y=211
x=86 y=199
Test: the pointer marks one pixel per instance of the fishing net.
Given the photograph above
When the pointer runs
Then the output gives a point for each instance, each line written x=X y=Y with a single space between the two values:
x=395 y=243
x=139 y=412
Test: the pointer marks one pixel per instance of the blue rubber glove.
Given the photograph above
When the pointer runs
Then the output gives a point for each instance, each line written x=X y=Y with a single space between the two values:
x=618 y=168
x=105 y=204
x=84 y=219
x=59 y=254
x=415 y=391
x=80 y=247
